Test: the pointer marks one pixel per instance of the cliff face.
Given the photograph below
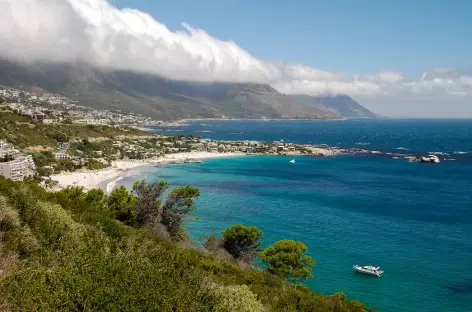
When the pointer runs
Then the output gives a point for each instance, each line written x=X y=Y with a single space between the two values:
x=155 y=96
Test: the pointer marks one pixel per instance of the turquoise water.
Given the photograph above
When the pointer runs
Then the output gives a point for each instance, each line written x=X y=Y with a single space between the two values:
x=414 y=220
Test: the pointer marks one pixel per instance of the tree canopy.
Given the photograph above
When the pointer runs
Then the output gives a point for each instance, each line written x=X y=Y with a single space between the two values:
x=121 y=205
x=152 y=211
x=285 y=258
x=240 y=240
x=148 y=201
x=178 y=205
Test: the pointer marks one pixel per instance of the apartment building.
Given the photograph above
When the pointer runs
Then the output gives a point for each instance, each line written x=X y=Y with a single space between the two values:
x=21 y=167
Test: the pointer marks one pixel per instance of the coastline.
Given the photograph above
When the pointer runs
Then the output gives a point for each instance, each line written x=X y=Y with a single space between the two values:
x=106 y=179
x=186 y=120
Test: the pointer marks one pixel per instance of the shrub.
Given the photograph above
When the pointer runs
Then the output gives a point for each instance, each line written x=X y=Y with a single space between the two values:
x=285 y=258
x=235 y=299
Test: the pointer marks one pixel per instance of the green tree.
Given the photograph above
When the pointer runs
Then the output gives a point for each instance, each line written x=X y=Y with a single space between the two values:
x=95 y=165
x=58 y=136
x=121 y=205
x=65 y=165
x=285 y=258
x=148 y=201
x=242 y=241
x=94 y=197
x=178 y=205
x=152 y=211
x=7 y=158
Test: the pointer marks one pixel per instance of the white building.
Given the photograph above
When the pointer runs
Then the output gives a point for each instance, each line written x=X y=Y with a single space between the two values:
x=62 y=156
x=19 y=168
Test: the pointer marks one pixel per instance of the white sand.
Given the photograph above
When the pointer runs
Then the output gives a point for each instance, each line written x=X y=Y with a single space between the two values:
x=89 y=179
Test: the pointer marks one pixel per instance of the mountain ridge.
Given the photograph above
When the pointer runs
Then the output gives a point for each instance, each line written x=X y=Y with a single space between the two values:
x=158 y=97
x=344 y=105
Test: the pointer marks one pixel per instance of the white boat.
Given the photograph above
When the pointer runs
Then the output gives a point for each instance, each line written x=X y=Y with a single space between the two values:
x=368 y=269
x=430 y=159
x=292 y=161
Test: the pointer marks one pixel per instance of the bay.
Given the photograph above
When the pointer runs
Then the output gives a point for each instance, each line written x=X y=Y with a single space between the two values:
x=414 y=220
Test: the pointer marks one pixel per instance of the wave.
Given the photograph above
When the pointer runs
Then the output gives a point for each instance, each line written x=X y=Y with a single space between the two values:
x=460 y=153
x=112 y=184
x=438 y=153
x=362 y=143
x=402 y=148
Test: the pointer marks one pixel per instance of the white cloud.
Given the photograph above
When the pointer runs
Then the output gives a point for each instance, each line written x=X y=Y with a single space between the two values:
x=95 y=31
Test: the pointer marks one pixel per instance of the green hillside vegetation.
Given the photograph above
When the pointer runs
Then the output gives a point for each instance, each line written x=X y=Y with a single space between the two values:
x=85 y=251
x=41 y=140
x=23 y=132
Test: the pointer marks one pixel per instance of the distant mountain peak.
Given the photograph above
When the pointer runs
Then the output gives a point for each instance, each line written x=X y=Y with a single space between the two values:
x=342 y=104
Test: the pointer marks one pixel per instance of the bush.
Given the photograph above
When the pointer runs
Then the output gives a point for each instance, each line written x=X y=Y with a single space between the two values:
x=235 y=299
x=55 y=228
x=16 y=241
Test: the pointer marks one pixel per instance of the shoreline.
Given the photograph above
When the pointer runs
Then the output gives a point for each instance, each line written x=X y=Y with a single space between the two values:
x=105 y=179
x=185 y=120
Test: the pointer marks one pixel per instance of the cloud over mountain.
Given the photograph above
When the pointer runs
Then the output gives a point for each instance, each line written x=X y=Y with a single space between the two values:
x=94 y=31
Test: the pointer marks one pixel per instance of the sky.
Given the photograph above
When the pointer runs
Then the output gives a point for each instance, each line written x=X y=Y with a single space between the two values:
x=398 y=58
x=352 y=36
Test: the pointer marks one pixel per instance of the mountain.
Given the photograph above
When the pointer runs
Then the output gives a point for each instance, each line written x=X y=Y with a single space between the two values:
x=155 y=96
x=344 y=105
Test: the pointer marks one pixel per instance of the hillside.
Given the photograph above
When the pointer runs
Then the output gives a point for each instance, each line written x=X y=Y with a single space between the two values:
x=343 y=105
x=154 y=96
x=87 y=251
x=23 y=133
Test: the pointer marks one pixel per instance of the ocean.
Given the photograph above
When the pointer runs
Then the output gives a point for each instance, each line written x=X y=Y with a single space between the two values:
x=413 y=220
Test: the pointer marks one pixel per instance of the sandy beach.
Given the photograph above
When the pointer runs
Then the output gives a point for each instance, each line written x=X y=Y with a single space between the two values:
x=89 y=179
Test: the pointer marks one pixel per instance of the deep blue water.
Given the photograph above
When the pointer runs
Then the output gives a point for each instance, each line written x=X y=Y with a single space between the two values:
x=452 y=137
x=414 y=220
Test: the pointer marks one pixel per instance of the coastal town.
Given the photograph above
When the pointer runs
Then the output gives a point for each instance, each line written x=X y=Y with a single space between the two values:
x=53 y=108
x=121 y=150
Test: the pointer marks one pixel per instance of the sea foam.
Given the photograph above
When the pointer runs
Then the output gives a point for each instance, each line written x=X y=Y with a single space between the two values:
x=112 y=184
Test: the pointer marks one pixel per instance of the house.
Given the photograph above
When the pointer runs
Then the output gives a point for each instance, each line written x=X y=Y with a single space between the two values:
x=63 y=146
x=38 y=116
x=62 y=156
